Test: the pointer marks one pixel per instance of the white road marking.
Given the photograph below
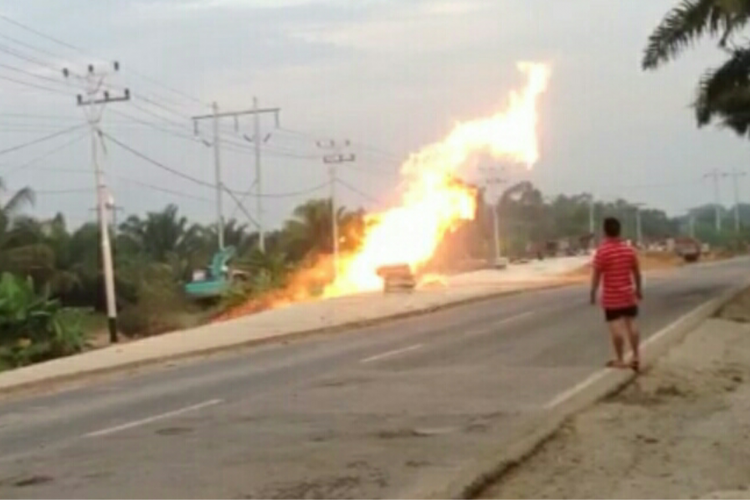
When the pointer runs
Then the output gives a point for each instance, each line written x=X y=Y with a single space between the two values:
x=391 y=353
x=593 y=378
x=492 y=328
x=138 y=423
x=565 y=395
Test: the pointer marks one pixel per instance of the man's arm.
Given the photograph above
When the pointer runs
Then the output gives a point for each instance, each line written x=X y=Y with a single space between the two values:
x=596 y=278
x=596 y=275
x=637 y=277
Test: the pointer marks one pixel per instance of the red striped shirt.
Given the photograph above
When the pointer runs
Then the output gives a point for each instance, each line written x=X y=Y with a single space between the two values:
x=615 y=260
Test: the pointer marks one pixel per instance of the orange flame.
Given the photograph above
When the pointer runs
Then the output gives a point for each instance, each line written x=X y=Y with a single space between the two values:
x=433 y=202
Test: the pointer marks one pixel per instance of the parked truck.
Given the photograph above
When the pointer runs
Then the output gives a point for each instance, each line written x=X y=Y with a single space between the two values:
x=689 y=249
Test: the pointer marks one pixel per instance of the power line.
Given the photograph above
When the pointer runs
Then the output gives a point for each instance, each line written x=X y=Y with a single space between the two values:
x=357 y=191
x=160 y=117
x=29 y=46
x=40 y=140
x=157 y=163
x=361 y=146
x=167 y=87
x=158 y=127
x=288 y=194
x=29 y=73
x=33 y=60
x=43 y=35
x=163 y=190
x=161 y=106
x=36 y=86
x=47 y=154
x=64 y=191
x=85 y=53
x=202 y=182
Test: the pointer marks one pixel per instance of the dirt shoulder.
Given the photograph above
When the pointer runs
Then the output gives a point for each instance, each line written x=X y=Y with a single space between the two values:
x=680 y=431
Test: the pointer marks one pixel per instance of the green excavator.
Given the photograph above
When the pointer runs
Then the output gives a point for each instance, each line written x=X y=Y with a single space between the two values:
x=217 y=278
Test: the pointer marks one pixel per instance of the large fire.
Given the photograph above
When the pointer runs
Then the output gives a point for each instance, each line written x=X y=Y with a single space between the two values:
x=433 y=201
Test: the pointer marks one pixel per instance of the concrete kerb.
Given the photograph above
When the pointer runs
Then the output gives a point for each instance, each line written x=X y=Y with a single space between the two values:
x=61 y=381
x=472 y=479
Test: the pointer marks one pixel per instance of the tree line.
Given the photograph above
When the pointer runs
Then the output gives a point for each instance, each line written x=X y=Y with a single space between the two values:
x=156 y=253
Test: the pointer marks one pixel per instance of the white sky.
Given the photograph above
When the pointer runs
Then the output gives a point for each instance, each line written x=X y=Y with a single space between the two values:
x=390 y=75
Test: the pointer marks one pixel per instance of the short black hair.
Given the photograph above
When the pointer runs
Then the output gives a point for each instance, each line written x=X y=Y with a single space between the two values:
x=612 y=227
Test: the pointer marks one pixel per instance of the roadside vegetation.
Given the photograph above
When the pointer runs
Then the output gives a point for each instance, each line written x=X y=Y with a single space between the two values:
x=51 y=292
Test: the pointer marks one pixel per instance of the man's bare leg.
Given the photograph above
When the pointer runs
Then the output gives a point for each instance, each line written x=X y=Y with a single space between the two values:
x=634 y=339
x=618 y=342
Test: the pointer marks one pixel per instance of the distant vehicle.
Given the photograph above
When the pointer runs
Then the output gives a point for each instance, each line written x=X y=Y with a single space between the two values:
x=500 y=263
x=217 y=278
x=688 y=248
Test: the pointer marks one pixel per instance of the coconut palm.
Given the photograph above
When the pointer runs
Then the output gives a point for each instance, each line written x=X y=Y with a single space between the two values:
x=723 y=93
x=16 y=233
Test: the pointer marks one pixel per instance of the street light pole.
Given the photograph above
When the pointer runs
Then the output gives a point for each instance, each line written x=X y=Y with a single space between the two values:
x=716 y=174
x=736 y=174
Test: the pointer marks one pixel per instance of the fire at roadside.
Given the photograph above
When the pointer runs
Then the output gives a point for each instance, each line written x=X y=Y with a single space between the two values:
x=435 y=204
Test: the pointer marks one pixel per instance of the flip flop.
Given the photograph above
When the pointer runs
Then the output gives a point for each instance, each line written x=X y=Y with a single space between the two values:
x=635 y=365
x=613 y=363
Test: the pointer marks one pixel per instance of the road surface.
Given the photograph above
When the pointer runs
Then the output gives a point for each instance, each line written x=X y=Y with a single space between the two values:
x=374 y=412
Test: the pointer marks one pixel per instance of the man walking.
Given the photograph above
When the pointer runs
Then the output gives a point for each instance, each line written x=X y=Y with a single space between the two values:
x=616 y=268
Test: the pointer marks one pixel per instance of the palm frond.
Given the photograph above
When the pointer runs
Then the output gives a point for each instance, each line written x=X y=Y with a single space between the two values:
x=17 y=201
x=689 y=21
x=724 y=94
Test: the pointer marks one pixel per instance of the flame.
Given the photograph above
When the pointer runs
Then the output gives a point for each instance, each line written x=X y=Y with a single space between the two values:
x=434 y=201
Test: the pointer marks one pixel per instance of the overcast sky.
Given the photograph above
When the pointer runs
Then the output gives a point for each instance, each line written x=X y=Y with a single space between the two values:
x=391 y=75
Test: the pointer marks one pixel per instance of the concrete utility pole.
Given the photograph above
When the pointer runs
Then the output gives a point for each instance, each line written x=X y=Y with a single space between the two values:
x=736 y=174
x=691 y=224
x=332 y=160
x=493 y=179
x=216 y=117
x=638 y=230
x=113 y=208
x=93 y=105
x=716 y=174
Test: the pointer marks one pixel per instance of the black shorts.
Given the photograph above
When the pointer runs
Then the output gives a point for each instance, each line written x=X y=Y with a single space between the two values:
x=624 y=312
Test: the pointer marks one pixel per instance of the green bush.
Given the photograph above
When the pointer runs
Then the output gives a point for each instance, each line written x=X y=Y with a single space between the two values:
x=33 y=327
x=157 y=301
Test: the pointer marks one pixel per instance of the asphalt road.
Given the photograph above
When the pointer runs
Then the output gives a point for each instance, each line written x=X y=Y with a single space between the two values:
x=374 y=412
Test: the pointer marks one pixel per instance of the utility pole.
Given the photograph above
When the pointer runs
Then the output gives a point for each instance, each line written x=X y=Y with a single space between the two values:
x=736 y=174
x=93 y=105
x=492 y=179
x=112 y=207
x=332 y=160
x=691 y=224
x=638 y=230
x=256 y=112
x=258 y=176
x=716 y=174
x=217 y=177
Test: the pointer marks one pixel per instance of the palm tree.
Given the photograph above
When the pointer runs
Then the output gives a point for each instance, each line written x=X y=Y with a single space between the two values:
x=724 y=92
x=310 y=230
x=161 y=233
x=16 y=235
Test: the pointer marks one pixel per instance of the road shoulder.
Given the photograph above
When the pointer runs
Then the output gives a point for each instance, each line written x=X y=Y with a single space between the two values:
x=680 y=431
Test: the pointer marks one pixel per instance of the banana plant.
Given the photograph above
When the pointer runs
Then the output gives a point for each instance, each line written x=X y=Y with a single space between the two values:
x=34 y=327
